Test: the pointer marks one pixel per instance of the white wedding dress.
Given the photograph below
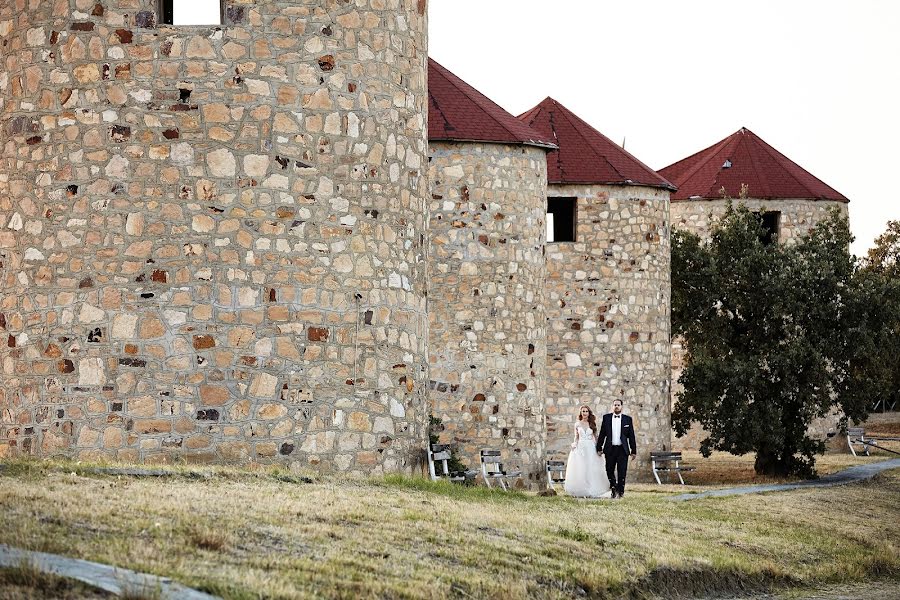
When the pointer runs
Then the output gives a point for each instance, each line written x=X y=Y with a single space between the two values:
x=585 y=471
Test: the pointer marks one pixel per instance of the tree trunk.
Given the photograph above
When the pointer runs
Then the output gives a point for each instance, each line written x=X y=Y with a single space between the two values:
x=771 y=463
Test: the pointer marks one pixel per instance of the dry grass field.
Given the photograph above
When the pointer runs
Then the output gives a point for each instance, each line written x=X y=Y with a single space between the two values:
x=253 y=534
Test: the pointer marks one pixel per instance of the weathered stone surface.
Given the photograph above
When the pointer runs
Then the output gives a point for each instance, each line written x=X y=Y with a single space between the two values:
x=487 y=323
x=180 y=206
x=608 y=311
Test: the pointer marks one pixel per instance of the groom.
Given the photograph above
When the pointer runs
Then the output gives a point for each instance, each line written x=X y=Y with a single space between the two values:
x=616 y=440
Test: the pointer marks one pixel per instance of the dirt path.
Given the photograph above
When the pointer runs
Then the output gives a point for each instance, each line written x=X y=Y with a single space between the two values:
x=851 y=475
x=111 y=579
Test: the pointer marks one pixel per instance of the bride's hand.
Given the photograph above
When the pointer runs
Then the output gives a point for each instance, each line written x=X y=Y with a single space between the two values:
x=574 y=445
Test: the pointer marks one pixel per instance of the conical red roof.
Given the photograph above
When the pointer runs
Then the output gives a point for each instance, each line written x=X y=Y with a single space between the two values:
x=460 y=113
x=744 y=158
x=585 y=155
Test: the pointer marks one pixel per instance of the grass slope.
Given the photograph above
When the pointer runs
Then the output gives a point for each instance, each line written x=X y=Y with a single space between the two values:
x=242 y=534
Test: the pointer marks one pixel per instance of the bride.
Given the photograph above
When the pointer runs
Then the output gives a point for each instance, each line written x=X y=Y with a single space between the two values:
x=585 y=470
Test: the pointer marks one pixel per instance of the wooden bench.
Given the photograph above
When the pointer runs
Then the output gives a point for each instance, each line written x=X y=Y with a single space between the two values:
x=492 y=469
x=667 y=462
x=440 y=453
x=556 y=473
x=857 y=436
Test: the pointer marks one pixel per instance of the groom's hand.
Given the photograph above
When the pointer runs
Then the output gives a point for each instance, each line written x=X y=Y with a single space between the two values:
x=633 y=456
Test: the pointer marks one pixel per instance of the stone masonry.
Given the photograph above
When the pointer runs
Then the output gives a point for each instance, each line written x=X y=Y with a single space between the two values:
x=608 y=311
x=212 y=239
x=798 y=217
x=486 y=299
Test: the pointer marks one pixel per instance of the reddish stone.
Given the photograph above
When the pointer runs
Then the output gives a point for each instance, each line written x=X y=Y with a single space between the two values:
x=326 y=63
x=317 y=334
x=202 y=342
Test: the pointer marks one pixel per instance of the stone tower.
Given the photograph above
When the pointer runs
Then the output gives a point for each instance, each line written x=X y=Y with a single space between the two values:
x=608 y=283
x=486 y=275
x=212 y=239
x=790 y=200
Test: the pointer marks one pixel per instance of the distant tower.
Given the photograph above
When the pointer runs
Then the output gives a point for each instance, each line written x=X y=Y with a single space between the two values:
x=486 y=275
x=212 y=238
x=608 y=283
x=790 y=199
x=743 y=167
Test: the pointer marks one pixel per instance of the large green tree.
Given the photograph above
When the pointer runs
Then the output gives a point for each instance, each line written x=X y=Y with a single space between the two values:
x=876 y=369
x=771 y=332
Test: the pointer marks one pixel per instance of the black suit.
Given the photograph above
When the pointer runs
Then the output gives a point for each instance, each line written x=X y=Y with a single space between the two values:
x=616 y=456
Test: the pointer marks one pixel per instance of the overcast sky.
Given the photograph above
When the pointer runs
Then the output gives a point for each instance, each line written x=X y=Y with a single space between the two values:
x=817 y=79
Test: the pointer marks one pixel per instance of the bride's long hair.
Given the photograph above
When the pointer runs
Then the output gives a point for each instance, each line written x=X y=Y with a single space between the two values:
x=592 y=419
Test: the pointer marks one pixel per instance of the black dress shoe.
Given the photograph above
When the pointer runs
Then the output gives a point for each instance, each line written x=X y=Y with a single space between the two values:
x=613 y=497
x=621 y=494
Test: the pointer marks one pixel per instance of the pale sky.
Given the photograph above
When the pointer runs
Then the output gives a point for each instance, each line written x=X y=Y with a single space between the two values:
x=817 y=79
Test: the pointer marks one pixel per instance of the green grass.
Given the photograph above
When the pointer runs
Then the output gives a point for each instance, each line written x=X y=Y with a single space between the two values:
x=246 y=534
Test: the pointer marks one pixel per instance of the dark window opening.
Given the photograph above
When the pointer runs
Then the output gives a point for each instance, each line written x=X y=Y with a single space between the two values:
x=561 y=219
x=770 y=221
x=191 y=12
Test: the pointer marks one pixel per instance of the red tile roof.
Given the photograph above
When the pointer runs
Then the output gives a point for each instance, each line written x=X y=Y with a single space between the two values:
x=744 y=158
x=458 y=112
x=585 y=155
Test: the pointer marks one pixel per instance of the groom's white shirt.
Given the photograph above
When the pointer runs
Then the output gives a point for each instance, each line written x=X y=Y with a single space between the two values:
x=616 y=430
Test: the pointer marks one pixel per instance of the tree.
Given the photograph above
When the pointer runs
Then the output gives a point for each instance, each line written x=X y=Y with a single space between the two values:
x=769 y=332
x=876 y=369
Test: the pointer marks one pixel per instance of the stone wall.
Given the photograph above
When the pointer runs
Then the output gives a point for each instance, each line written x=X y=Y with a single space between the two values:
x=212 y=238
x=608 y=312
x=798 y=217
x=486 y=312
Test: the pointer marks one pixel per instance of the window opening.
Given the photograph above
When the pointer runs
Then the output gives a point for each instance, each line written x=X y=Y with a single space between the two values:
x=190 y=12
x=771 y=221
x=561 y=219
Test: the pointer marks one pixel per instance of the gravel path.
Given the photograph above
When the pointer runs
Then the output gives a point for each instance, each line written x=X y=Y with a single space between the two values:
x=111 y=579
x=851 y=475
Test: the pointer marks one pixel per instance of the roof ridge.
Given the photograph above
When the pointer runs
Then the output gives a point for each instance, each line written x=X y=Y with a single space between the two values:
x=762 y=181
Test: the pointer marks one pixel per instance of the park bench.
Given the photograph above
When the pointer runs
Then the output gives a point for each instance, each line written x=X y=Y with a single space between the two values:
x=667 y=462
x=857 y=436
x=440 y=453
x=556 y=473
x=492 y=469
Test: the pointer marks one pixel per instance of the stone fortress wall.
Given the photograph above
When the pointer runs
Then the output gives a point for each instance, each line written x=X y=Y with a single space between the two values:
x=797 y=218
x=608 y=314
x=487 y=331
x=229 y=244
x=212 y=239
